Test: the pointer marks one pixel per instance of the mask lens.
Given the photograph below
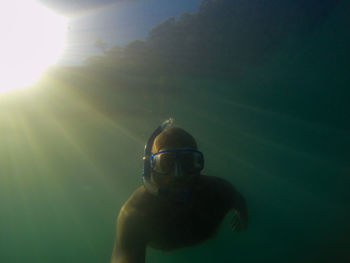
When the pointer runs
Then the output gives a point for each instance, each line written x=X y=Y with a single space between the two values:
x=163 y=162
x=190 y=161
x=187 y=161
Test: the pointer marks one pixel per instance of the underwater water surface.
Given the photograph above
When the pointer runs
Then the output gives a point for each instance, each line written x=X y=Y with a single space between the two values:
x=71 y=155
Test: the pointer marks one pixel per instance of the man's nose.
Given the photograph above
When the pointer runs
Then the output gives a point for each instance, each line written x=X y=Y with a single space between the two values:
x=177 y=169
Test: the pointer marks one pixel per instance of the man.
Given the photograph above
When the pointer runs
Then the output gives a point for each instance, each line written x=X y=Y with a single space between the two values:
x=176 y=206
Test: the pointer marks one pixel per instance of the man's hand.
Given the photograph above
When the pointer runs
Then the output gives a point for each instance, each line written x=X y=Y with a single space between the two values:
x=239 y=221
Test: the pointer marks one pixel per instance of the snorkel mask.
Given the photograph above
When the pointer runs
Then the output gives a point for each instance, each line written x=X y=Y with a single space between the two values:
x=161 y=163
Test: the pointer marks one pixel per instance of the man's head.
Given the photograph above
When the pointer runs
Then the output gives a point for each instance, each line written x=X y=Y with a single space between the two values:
x=175 y=159
x=173 y=138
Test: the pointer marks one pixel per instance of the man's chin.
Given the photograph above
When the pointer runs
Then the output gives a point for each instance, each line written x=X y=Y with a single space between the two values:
x=181 y=183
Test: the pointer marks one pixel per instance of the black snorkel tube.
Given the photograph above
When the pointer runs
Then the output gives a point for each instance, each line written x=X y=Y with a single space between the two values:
x=146 y=175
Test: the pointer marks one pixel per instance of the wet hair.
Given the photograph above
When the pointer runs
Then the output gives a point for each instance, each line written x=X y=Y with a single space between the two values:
x=174 y=138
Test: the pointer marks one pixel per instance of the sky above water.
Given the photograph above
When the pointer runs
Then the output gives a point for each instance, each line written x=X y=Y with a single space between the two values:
x=115 y=22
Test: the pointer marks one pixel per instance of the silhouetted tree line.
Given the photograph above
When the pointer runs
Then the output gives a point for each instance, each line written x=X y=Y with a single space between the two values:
x=222 y=37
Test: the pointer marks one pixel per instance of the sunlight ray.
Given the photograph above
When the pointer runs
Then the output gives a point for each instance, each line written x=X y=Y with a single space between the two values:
x=50 y=184
x=73 y=97
x=67 y=133
x=15 y=179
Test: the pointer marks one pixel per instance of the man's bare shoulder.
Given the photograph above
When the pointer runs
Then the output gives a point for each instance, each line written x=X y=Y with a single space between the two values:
x=138 y=199
x=220 y=189
x=211 y=179
x=214 y=183
x=208 y=189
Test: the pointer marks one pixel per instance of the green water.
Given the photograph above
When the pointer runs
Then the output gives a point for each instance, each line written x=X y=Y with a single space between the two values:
x=280 y=134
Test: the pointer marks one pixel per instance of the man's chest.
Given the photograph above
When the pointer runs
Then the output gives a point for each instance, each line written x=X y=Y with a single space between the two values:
x=184 y=225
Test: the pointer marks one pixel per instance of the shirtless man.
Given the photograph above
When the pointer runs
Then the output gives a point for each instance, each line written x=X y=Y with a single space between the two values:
x=176 y=206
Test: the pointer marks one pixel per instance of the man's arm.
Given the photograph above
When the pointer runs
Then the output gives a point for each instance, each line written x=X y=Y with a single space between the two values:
x=238 y=203
x=130 y=244
x=240 y=220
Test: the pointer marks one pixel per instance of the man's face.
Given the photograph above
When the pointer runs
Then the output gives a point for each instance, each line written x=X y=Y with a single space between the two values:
x=171 y=165
x=173 y=152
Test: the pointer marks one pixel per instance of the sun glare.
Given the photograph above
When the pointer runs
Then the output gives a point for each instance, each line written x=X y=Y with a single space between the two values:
x=32 y=38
